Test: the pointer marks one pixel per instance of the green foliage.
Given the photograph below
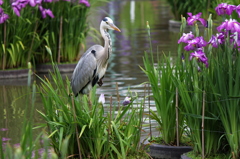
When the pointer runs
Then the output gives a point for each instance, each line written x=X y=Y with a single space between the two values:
x=66 y=32
x=214 y=156
x=164 y=94
x=224 y=82
x=19 y=37
x=160 y=78
x=91 y=131
x=184 y=141
x=194 y=91
x=216 y=87
x=182 y=7
x=23 y=38
x=191 y=85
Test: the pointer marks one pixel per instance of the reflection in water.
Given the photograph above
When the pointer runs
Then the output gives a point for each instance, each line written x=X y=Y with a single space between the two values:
x=128 y=50
x=12 y=110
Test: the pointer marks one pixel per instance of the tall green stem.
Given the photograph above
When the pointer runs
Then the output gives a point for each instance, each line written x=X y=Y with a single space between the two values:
x=4 y=46
x=34 y=34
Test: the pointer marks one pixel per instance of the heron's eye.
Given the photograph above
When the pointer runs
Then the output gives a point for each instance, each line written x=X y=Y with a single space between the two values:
x=106 y=22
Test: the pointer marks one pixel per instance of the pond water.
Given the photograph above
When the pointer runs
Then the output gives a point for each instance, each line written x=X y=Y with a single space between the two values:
x=124 y=66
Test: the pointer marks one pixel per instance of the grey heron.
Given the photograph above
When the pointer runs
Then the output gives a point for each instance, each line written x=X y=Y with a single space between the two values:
x=92 y=65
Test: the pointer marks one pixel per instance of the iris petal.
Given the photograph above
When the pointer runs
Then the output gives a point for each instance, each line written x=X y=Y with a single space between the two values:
x=193 y=18
x=225 y=8
x=186 y=37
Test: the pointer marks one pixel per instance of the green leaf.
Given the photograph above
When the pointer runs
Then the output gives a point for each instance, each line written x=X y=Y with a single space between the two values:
x=82 y=130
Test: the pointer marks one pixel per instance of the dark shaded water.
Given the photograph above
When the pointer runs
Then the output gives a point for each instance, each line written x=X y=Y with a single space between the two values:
x=128 y=50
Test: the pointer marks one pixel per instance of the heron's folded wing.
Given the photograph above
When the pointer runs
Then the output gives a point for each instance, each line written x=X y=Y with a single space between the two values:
x=84 y=72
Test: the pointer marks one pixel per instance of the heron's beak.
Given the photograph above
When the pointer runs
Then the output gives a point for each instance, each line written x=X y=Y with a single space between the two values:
x=114 y=27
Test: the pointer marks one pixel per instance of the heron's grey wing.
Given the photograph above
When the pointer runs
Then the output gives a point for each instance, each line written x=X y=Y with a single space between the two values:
x=84 y=71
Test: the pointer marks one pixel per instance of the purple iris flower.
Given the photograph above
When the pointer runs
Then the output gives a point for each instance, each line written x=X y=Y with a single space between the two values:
x=231 y=25
x=19 y=5
x=235 y=38
x=213 y=41
x=33 y=3
x=1 y=2
x=221 y=38
x=46 y=12
x=126 y=101
x=225 y=8
x=196 y=43
x=200 y=55
x=202 y=42
x=238 y=10
x=3 y=16
x=193 y=18
x=47 y=1
x=186 y=37
x=85 y=2
x=218 y=39
x=16 y=10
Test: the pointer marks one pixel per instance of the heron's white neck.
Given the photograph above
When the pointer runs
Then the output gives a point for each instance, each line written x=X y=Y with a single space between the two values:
x=107 y=44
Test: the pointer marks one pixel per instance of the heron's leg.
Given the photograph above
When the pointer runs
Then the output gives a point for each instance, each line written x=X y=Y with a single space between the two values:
x=100 y=83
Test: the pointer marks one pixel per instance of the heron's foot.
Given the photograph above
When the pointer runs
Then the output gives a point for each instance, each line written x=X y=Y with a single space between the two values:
x=100 y=83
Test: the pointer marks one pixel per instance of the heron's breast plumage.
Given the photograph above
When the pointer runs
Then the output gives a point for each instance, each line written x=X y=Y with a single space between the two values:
x=102 y=71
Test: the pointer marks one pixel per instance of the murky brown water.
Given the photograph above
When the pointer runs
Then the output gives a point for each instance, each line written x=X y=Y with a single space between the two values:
x=128 y=50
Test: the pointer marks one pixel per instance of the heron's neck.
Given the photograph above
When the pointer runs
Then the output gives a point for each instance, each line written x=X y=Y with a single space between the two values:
x=107 y=44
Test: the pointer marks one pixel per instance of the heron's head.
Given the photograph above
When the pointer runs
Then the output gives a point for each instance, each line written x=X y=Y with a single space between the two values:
x=107 y=23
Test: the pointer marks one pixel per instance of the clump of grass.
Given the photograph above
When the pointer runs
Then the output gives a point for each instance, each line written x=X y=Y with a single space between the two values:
x=214 y=156
x=195 y=93
x=211 y=94
x=91 y=132
x=160 y=74
x=185 y=141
